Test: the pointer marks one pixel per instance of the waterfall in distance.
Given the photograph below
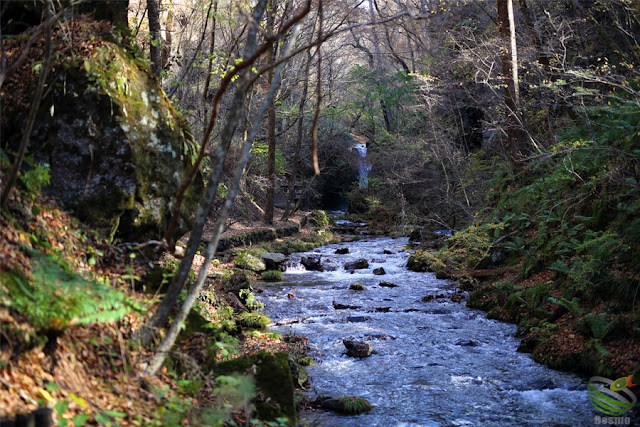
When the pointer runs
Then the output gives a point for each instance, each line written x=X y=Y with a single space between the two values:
x=363 y=164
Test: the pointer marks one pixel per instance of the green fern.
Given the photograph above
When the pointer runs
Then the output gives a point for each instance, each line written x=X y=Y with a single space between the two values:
x=55 y=297
x=573 y=306
x=602 y=351
x=597 y=324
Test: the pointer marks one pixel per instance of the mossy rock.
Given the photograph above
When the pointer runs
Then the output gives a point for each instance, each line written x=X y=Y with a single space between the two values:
x=195 y=323
x=272 y=276
x=117 y=148
x=357 y=287
x=249 y=261
x=420 y=261
x=273 y=382
x=348 y=405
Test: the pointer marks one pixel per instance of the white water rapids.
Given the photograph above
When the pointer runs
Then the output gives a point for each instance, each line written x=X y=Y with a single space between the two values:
x=438 y=363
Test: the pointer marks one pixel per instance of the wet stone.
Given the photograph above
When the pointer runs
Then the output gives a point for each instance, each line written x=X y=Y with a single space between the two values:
x=359 y=349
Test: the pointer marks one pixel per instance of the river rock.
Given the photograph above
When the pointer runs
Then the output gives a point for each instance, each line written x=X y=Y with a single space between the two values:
x=327 y=266
x=312 y=263
x=342 y=251
x=357 y=265
x=117 y=149
x=358 y=349
x=347 y=405
x=273 y=261
x=442 y=275
x=339 y=306
x=387 y=285
x=379 y=271
x=356 y=319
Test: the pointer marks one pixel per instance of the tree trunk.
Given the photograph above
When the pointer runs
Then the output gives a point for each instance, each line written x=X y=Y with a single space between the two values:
x=386 y=114
x=296 y=157
x=172 y=335
x=170 y=298
x=271 y=127
x=155 y=43
x=510 y=75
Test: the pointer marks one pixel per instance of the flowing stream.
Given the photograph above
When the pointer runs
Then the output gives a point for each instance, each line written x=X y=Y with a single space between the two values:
x=435 y=363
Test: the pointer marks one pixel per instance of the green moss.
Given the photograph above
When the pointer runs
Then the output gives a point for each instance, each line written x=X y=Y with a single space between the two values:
x=320 y=219
x=272 y=276
x=357 y=287
x=253 y=320
x=354 y=405
x=273 y=382
x=249 y=261
x=348 y=405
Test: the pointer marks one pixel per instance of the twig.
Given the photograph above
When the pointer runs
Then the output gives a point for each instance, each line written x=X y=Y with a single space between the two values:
x=21 y=393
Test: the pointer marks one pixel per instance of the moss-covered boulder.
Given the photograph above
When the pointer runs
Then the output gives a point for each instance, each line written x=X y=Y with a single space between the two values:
x=117 y=148
x=273 y=380
x=249 y=261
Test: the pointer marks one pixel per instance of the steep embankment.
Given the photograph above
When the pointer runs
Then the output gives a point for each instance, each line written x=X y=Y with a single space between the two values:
x=567 y=227
x=70 y=303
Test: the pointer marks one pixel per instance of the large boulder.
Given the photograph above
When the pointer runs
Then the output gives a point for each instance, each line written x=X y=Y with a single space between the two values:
x=275 y=398
x=273 y=261
x=312 y=262
x=116 y=147
x=249 y=261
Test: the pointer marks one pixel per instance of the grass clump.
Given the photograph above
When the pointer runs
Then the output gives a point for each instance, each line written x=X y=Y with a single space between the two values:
x=354 y=405
x=272 y=276
x=253 y=320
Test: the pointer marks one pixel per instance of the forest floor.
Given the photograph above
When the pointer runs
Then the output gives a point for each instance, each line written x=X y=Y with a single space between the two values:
x=54 y=352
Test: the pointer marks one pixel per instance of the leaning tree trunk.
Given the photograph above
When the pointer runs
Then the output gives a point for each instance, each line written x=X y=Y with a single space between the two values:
x=162 y=350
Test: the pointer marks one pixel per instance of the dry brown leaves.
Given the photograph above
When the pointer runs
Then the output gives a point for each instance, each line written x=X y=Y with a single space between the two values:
x=77 y=37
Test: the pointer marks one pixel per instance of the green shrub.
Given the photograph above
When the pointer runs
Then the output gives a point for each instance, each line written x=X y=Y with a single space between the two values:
x=320 y=219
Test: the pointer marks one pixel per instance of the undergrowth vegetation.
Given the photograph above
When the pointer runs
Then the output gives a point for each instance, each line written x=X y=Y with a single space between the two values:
x=569 y=221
